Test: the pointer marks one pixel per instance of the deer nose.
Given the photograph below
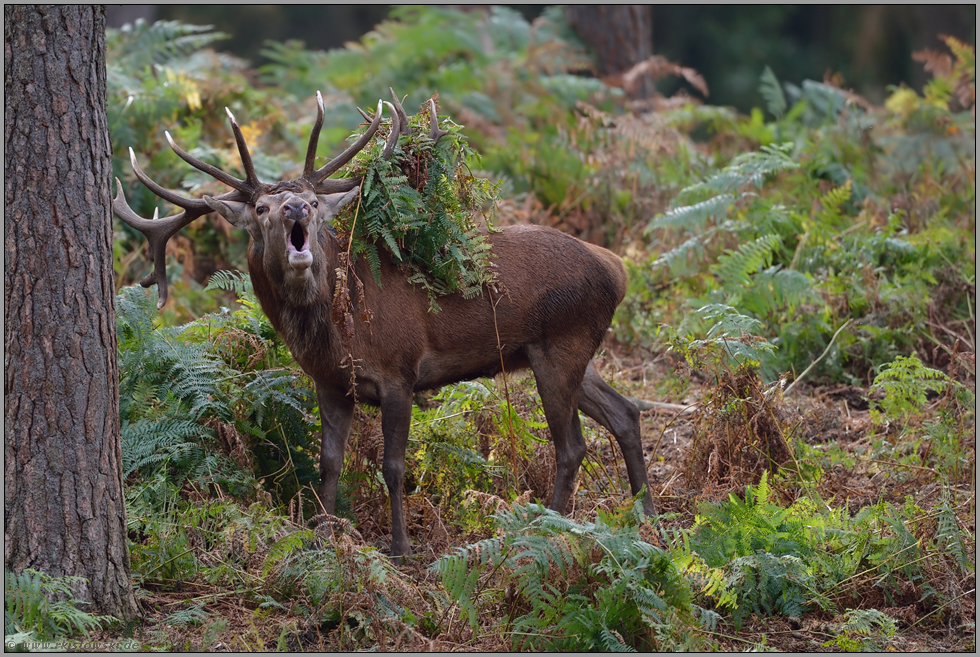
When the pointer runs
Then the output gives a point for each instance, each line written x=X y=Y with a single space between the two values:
x=296 y=210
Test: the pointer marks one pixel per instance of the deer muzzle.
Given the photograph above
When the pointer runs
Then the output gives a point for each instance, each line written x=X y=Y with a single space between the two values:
x=298 y=247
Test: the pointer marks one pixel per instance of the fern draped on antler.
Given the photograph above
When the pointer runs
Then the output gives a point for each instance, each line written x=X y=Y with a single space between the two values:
x=421 y=205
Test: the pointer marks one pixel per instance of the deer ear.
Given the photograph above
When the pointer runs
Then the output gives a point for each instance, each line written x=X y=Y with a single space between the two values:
x=331 y=204
x=236 y=212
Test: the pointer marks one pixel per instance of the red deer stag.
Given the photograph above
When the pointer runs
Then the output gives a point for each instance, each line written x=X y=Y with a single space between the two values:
x=556 y=300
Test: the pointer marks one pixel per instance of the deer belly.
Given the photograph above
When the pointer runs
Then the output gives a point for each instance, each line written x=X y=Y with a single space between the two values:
x=437 y=370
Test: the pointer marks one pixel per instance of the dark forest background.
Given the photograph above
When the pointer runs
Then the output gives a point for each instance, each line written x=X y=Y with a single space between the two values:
x=869 y=46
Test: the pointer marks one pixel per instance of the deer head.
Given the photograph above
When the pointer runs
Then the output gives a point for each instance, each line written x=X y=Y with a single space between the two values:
x=284 y=218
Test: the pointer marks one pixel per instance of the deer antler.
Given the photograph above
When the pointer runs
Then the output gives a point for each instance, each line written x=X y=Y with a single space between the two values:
x=318 y=177
x=249 y=186
x=399 y=124
x=435 y=134
x=159 y=231
x=402 y=117
x=396 y=131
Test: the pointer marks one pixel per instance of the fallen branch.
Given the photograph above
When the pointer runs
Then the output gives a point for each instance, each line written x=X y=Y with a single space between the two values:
x=663 y=407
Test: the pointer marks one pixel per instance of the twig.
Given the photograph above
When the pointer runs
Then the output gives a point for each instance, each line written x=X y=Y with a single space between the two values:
x=663 y=407
x=789 y=388
x=729 y=636
x=874 y=568
x=941 y=607
x=632 y=369
x=350 y=303
x=510 y=408
x=900 y=465
x=159 y=566
x=951 y=332
x=799 y=248
x=669 y=482
x=661 y=437
x=224 y=594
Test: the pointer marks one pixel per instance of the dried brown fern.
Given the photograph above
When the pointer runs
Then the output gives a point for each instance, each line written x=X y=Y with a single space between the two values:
x=935 y=62
x=737 y=437
x=656 y=67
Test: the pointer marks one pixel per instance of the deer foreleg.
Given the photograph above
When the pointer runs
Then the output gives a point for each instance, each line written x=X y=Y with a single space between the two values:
x=336 y=413
x=396 y=417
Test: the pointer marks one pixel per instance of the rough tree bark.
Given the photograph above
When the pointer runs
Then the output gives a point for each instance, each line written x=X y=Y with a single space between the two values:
x=63 y=495
x=620 y=36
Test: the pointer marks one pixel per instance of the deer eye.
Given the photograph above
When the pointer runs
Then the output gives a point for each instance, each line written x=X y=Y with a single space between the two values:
x=261 y=209
x=315 y=204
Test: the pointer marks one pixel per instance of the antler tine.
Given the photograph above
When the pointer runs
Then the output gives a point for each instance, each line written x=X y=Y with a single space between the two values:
x=250 y=178
x=367 y=117
x=213 y=171
x=166 y=194
x=396 y=127
x=352 y=150
x=434 y=132
x=402 y=117
x=335 y=185
x=309 y=167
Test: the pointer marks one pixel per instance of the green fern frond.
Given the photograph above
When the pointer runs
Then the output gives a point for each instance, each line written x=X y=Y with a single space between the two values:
x=712 y=198
x=734 y=268
x=612 y=642
x=828 y=218
x=905 y=383
x=760 y=495
x=460 y=571
x=950 y=536
x=695 y=216
x=745 y=169
x=776 y=289
x=868 y=622
x=545 y=556
x=235 y=281
x=772 y=93
x=679 y=255
x=191 y=615
x=428 y=221
x=862 y=629
x=160 y=42
x=284 y=547
x=150 y=442
x=28 y=604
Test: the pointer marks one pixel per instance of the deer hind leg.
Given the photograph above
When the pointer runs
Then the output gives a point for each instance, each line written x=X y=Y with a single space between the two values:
x=599 y=401
x=558 y=381
x=336 y=413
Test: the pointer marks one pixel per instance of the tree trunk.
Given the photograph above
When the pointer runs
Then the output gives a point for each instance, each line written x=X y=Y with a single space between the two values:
x=619 y=35
x=63 y=495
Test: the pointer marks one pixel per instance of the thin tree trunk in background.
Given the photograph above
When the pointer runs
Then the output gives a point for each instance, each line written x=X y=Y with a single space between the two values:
x=63 y=495
x=619 y=35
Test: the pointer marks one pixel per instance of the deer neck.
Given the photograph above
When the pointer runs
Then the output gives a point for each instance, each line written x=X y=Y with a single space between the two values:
x=302 y=319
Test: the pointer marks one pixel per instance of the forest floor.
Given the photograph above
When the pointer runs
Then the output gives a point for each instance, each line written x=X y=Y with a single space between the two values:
x=824 y=417
x=832 y=420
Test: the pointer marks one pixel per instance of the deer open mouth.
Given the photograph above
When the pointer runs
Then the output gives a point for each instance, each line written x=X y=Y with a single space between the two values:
x=298 y=248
